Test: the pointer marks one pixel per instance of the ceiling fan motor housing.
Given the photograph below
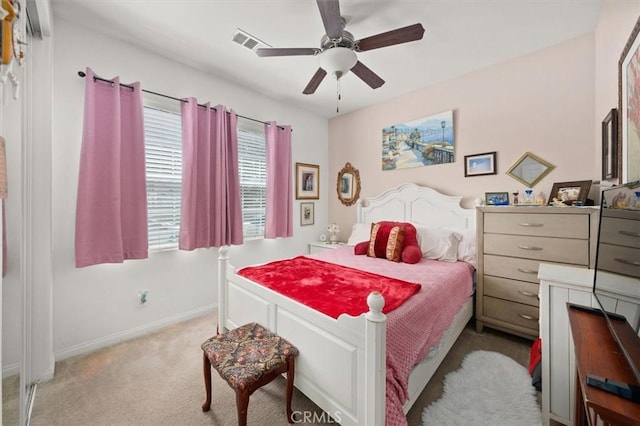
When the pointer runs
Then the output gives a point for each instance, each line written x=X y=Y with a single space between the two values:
x=347 y=40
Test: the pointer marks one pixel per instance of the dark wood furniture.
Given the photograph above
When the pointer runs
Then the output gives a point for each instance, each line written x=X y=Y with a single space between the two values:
x=247 y=358
x=598 y=353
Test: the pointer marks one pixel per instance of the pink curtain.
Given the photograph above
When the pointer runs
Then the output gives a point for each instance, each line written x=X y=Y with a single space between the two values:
x=111 y=210
x=211 y=208
x=279 y=213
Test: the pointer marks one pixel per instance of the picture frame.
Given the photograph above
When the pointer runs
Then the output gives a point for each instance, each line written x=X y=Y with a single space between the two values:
x=307 y=214
x=629 y=94
x=610 y=145
x=570 y=193
x=480 y=164
x=496 y=198
x=307 y=181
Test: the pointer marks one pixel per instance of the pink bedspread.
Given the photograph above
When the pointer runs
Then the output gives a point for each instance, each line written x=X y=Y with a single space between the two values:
x=420 y=322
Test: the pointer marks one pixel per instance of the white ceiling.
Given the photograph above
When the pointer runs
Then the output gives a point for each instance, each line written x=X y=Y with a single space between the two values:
x=461 y=36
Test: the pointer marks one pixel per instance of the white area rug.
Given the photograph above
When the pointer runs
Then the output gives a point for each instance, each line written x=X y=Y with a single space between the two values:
x=489 y=389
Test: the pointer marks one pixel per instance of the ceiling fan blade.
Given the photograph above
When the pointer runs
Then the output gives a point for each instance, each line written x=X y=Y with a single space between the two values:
x=330 y=12
x=401 y=35
x=315 y=82
x=365 y=74
x=287 y=51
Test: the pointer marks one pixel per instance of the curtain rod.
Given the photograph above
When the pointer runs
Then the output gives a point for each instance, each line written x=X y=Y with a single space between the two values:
x=83 y=75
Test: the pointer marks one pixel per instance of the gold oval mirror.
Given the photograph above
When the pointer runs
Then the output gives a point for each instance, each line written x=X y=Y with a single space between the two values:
x=348 y=186
x=530 y=169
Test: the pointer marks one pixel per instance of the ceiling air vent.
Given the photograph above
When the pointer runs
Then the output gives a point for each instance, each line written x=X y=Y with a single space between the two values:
x=247 y=40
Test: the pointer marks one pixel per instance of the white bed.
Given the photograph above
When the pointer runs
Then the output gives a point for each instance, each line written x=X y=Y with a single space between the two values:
x=354 y=346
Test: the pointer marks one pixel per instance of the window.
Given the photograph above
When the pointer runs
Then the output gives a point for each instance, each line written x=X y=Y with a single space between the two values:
x=163 y=154
x=252 y=167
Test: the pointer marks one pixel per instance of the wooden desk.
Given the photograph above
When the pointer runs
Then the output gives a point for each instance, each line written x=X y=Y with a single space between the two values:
x=597 y=353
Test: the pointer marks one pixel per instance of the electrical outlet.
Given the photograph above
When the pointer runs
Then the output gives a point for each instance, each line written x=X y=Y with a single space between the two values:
x=143 y=297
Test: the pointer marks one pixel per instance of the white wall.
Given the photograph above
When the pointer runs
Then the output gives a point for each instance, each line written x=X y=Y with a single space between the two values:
x=98 y=305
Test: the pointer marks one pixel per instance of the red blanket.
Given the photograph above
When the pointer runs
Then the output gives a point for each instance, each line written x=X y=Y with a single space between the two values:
x=329 y=288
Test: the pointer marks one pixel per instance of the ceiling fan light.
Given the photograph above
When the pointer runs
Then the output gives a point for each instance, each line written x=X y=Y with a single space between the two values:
x=337 y=61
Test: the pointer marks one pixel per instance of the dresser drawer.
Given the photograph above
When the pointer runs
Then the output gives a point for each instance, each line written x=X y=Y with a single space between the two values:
x=511 y=267
x=619 y=259
x=544 y=225
x=511 y=312
x=623 y=232
x=539 y=248
x=515 y=291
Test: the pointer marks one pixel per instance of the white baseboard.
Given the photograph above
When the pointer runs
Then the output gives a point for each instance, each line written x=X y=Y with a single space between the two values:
x=10 y=370
x=102 y=342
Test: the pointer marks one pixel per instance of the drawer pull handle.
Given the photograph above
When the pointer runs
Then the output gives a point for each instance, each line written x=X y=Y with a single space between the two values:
x=528 y=317
x=526 y=293
x=630 y=234
x=627 y=261
x=527 y=271
x=530 y=248
x=531 y=225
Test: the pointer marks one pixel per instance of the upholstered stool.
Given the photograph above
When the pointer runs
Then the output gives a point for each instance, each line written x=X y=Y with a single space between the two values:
x=247 y=358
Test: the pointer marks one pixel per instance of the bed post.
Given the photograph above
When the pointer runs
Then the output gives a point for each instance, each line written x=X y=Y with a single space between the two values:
x=223 y=260
x=376 y=361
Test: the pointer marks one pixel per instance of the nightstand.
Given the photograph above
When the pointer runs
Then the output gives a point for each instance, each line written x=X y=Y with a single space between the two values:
x=317 y=246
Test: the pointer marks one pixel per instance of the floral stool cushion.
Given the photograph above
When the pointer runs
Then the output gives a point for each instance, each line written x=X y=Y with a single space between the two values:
x=243 y=355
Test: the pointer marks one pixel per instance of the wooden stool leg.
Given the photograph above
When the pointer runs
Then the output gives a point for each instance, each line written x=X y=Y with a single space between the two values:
x=206 y=364
x=291 y=366
x=242 y=403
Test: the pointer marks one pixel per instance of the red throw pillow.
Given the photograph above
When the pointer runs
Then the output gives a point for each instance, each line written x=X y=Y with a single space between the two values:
x=361 y=248
x=411 y=253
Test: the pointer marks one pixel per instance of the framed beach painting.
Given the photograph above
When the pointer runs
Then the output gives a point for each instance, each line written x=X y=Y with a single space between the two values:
x=417 y=143
x=629 y=108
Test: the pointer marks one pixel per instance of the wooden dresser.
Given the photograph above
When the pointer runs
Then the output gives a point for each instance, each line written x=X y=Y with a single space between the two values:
x=512 y=242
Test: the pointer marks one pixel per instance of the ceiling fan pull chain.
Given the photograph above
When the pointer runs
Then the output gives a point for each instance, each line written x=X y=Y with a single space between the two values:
x=338 y=93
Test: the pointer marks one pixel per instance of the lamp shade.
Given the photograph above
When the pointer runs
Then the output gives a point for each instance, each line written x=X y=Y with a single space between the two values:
x=337 y=61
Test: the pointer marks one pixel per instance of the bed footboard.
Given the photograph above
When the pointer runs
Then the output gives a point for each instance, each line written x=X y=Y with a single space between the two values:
x=342 y=363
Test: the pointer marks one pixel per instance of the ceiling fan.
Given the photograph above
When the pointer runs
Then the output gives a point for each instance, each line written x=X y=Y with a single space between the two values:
x=337 y=52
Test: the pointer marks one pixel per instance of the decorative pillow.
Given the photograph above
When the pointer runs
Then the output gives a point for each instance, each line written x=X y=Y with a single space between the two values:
x=378 y=239
x=359 y=232
x=361 y=248
x=439 y=244
x=411 y=253
x=410 y=249
x=395 y=244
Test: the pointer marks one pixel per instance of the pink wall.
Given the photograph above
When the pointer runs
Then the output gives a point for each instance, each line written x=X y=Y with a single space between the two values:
x=542 y=102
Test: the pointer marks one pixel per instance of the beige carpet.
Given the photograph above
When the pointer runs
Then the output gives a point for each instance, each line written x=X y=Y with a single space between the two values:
x=157 y=380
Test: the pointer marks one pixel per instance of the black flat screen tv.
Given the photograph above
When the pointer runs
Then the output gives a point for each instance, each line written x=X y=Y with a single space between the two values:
x=617 y=271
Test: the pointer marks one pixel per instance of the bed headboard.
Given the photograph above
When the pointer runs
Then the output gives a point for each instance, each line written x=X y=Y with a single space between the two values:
x=416 y=204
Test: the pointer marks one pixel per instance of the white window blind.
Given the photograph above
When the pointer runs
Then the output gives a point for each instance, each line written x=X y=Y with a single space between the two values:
x=163 y=154
x=252 y=166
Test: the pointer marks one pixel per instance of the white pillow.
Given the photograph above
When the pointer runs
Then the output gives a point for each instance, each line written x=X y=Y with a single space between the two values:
x=359 y=232
x=467 y=246
x=439 y=244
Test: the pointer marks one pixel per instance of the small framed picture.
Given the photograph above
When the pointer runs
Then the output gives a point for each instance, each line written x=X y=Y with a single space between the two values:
x=307 y=181
x=480 y=164
x=306 y=214
x=570 y=193
x=496 y=198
